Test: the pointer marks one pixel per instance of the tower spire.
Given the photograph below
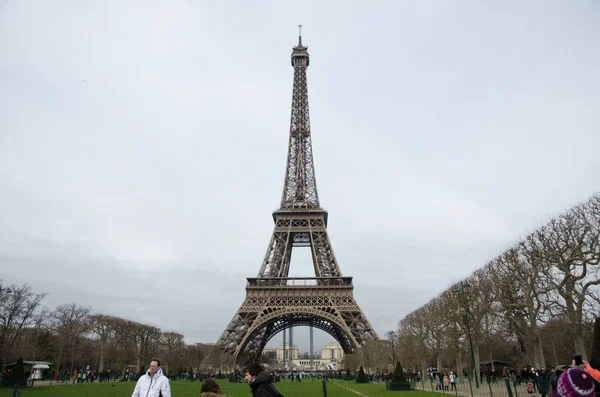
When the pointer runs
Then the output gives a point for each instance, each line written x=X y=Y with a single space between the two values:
x=300 y=186
x=300 y=221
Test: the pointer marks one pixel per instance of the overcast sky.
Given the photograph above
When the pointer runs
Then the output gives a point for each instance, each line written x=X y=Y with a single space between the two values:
x=143 y=144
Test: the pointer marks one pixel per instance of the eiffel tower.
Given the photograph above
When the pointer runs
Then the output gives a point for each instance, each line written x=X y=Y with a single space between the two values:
x=275 y=302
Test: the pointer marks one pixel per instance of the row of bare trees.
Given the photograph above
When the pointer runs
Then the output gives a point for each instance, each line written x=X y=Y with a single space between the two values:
x=72 y=337
x=534 y=304
x=375 y=356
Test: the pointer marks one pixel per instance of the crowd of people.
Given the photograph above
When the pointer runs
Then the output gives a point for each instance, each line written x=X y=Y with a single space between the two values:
x=543 y=381
x=580 y=379
x=155 y=384
x=86 y=376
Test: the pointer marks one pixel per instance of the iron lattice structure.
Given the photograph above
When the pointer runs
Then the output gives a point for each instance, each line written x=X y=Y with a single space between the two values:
x=274 y=301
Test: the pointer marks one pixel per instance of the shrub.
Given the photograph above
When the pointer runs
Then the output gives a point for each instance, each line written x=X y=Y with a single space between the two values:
x=398 y=373
x=362 y=377
x=399 y=379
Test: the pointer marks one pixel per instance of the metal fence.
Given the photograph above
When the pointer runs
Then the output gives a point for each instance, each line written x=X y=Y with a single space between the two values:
x=308 y=387
x=489 y=387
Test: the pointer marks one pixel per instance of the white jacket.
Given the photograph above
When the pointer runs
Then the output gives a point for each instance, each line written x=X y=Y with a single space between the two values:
x=152 y=386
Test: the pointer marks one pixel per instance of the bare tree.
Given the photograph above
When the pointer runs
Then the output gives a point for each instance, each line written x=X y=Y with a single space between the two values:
x=377 y=355
x=123 y=346
x=70 y=322
x=455 y=340
x=521 y=289
x=203 y=354
x=352 y=361
x=433 y=317
x=570 y=245
x=479 y=299
x=19 y=310
x=545 y=288
x=554 y=333
x=171 y=343
x=104 y=327
x=145 y=339
x=412 y=335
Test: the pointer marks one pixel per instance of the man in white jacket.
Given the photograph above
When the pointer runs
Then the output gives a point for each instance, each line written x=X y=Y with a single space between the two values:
x=153 y=383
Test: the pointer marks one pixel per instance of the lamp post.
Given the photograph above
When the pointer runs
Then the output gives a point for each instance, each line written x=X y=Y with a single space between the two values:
x=463 y=289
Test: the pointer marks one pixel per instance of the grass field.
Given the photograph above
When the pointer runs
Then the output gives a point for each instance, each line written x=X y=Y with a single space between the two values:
x=306 y=388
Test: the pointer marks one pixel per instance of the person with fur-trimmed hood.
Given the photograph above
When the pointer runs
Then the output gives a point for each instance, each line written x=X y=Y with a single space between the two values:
x=260 y=381
x=210 y=388
x=153 y=383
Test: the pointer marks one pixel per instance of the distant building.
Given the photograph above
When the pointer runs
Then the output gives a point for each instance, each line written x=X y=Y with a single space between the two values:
x=332 y=352
x=290 y=352
x=330 y=358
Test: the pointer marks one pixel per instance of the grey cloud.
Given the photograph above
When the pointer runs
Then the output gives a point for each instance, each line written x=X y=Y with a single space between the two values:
x=138 y=141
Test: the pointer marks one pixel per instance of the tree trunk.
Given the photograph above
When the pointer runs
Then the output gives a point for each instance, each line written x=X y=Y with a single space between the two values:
x=538 y=351
x=101 y=365
x=459 y=366
x=59 y=360
x=555 y=356
x=72 y=356
x=580 y=346
x=476 y=355
x=574 y=317
x=540 y=361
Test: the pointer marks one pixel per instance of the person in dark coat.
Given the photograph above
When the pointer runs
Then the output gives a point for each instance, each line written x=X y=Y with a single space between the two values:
x=542 y=383
x=260 y=381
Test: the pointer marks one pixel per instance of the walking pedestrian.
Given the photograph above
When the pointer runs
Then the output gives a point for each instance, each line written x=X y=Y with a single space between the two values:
x=153 y=383
x=260 y=381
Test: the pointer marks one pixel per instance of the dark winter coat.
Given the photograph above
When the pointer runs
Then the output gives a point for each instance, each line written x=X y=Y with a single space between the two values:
x=262 y=386
x=542 y=384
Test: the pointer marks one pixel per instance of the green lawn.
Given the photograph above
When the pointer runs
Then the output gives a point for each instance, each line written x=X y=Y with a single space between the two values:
x=306 y=388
